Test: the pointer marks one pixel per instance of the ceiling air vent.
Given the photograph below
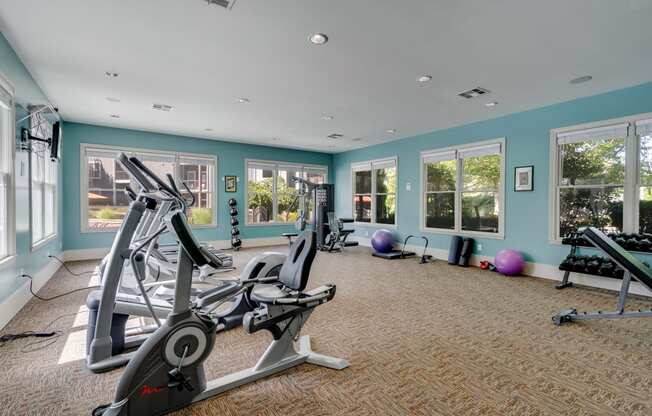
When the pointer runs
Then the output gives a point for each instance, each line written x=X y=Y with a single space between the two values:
x=162 y=107
x=335 y=136
x=227 y=4
x=475 y=92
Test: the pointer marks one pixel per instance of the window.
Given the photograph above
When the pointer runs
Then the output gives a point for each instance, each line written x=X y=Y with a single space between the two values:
x=602 y=176
x=271 y=195
x=374 y=192
x=463 y=189
x=104 y=183
x=44 y=174
x=7 y=148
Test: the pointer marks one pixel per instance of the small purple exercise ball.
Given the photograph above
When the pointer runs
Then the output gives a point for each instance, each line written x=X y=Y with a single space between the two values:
x=382 y=241
x=509 y=262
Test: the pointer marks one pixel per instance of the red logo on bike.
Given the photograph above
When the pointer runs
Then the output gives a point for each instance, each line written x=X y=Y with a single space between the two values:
x=147 y=390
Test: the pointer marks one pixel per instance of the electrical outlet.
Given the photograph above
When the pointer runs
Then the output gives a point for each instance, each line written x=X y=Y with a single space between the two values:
x=366 y=233
x=479 y=247
x=408 y=186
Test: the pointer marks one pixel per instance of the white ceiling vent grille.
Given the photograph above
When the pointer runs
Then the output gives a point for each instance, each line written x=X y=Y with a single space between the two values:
x=473 y=93
x=227 y=4
x=335 y=136
x=162 y=107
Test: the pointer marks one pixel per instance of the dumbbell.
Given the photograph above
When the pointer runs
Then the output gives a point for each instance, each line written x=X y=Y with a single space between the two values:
x=579 y=265
x=592 y=266
x=631 y=244
x=234 y=221
x=644 y=245
x=233 y=202
x=235 y=231
x=607 y=269
x=621 y=241
x=236 y=242
x=234 y=212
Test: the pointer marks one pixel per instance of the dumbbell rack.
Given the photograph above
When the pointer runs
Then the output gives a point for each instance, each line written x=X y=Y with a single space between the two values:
x=565 y=280
x=236 y=243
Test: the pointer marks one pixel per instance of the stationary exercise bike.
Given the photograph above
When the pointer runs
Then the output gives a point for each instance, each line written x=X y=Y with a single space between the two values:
x=167 y=372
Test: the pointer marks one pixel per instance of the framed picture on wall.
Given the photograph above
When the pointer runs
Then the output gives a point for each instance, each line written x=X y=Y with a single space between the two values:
x=231 y=183
x=523 y=178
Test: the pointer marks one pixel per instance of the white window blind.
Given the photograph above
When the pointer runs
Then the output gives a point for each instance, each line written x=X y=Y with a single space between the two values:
x=438 y=157
x=492 y=149
x=597 y=134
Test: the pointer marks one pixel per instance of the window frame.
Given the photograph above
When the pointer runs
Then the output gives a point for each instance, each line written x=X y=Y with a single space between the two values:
x=10 y=258
x=276 y=165
x=357 y=167
x=459 y=190
x=45 y=239
x=84 y=178
x=631 y=185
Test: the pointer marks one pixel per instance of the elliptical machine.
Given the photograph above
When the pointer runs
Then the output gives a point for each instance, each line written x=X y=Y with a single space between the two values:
x=167 y=371
x=109 y=343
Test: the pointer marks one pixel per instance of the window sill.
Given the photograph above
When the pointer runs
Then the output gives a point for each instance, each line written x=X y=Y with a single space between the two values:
x=270 y=224
x=39 y=244
x=478 y=234
x=114 y=229
x=7 y=261
x=375 y=225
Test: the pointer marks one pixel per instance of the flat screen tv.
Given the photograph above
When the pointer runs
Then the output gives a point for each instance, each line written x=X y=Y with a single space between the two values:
x=54 y=144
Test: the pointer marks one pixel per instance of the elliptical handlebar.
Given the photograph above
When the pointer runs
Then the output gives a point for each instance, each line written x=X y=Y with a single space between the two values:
x=162 y=186
x=135 y=172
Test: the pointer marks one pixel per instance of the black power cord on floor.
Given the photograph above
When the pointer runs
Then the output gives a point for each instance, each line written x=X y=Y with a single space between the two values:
x=65 y=266
x=31 y=289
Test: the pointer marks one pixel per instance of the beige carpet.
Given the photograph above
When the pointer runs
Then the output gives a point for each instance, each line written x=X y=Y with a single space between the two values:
x=422 y=340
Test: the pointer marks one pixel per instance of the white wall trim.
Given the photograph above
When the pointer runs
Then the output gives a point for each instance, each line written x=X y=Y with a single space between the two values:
x=540 y=270
x=14 y=303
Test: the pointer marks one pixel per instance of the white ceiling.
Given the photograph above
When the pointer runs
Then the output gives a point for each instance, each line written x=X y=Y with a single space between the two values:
x=201 y=59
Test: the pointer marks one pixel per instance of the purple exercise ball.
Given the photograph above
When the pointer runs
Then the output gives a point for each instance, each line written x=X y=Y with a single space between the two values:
x=382 y=241
x=509 y=262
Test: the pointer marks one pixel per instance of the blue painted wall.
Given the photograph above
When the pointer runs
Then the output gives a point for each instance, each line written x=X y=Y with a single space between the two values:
x=527 y=143
x=230 y=158
x=27 y=92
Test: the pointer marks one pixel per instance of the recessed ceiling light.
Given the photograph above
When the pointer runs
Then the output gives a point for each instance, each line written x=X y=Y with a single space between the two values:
x=335 y=136
x=357 y=139
x=391 y=131
x=243 y=100
x=276 y=139
x=424 y=78
x=111 y=74
x=579 y=80
x=113 y=100
x=114 y=115
x=491 y=104
x=318 y=38
x=327 y=118
x=208 y=129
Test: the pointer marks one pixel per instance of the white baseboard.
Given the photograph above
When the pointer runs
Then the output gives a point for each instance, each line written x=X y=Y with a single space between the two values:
x=85 y=254
x=14 y=303
x=541 y=270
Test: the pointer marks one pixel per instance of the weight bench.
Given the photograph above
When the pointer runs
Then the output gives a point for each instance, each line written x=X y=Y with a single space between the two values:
x=633 y=268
